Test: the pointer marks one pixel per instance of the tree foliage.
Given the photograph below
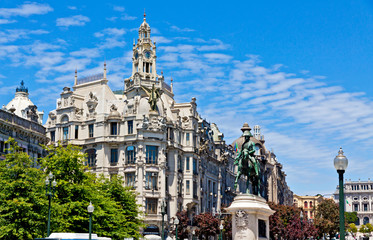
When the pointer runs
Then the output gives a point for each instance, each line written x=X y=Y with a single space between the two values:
x=352 y=228
x=116 y=213
x=327 y=217
x=286 y=223
x=351 y=217
x=24 y=206
x=207 y=224
x=182 y=227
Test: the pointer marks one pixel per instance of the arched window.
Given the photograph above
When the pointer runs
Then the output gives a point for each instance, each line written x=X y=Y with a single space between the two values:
x=257 y=150
x=305 y=204
x=64 y=119
x=91 y=157
x=131 y=155
x=311 y=204
x=365 y=220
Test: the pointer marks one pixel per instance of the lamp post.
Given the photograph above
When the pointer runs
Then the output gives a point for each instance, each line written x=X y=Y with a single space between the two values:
x=50 y=188
x=163 y=212
x=221 y=232
x=176 y=223
x=193 y=234
x=90 y=209
x=340 y=164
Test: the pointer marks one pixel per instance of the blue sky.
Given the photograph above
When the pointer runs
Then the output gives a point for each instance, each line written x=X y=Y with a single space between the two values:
x=302 y=70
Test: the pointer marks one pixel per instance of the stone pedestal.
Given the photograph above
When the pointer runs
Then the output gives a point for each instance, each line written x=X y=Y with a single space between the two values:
x=250 y=217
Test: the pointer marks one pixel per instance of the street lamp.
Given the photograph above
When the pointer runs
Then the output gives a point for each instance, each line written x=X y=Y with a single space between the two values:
x=176 y=223
x=90 y=209
x=340 y=163
x=221 y=232
x=193 y=234
x=50 y=188
x=163 y=212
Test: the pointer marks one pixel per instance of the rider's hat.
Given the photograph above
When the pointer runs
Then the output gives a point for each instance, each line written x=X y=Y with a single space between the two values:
x=246 y=130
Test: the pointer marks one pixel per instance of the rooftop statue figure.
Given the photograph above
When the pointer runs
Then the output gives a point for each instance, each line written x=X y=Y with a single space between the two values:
x=153 y=95
x=247 y=163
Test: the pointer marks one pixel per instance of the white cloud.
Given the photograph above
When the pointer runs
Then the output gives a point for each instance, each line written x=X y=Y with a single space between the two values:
x=77 y=20
x=7 y=21
x=127 y=17
x=118 y=8
x=12 y=35
x=72 y=7
x=25 y=10
x=161 y=39
x=177 y=29
x=112 y=19
x=111 y=32
x=86 y=52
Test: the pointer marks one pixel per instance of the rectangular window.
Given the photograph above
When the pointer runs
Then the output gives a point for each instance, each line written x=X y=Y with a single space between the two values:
x=131 y=155
x=365 y=207
x=90 y=130
x=195 y=186
x=179 y=164
x=114 y=156
x=187 y=164
x=2 y=146
x=151 y=179
x=187 y=138
x=130 y=126
x=65 y=133
x=187 y=187
x=76 y=131
x=151 y=205
x=195 y=171
x=113 y=128
x=130 y=179
x=152 y=154
x=91 y=157
x=356 y=207
x=53 y=136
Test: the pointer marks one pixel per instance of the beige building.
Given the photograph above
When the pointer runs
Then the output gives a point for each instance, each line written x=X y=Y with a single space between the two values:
x=163 y=149
x=308 y=204
x=20 y=120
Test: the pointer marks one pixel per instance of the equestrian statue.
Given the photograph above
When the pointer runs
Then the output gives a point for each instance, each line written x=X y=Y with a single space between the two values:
x=248 y=165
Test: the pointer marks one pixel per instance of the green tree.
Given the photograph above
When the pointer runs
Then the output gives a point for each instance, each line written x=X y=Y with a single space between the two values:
x=116 y=213
x=327 y=217
x=207 y=224
x=351 y=217
x=370 y=227
x=352 y=228
x=23 y=205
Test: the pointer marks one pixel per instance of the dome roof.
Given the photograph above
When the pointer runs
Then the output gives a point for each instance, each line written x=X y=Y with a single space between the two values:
x=20 y=102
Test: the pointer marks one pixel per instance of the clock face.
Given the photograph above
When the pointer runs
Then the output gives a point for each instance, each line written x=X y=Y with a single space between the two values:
x=136 y=55
x=147 y=54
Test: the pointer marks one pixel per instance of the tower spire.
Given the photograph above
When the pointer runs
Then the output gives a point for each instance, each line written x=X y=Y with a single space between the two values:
x=105 y=69
x=144 y=15
x=76 y=77
x=172 y=85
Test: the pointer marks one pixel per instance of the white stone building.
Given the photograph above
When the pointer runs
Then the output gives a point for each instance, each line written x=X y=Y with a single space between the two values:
x=163 y=149
x=20 y=120
x=358 y=198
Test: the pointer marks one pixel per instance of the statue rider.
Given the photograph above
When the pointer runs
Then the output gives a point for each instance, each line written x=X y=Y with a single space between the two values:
x=247 y=163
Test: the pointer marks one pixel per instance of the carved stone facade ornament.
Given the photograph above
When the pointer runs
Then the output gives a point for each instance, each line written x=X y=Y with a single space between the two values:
x=241 y=219
x=92 y=102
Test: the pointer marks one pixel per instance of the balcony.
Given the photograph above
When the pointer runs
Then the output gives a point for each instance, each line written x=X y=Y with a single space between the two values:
x=24 y=123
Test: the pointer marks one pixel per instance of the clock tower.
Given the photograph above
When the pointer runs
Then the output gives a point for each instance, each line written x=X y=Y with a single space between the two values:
x=144 y=54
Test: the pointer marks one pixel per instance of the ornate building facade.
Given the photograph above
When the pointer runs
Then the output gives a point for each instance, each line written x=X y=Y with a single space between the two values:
x=358 y=198
x=20 y=120
x=308 y=204
x=164 y=150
